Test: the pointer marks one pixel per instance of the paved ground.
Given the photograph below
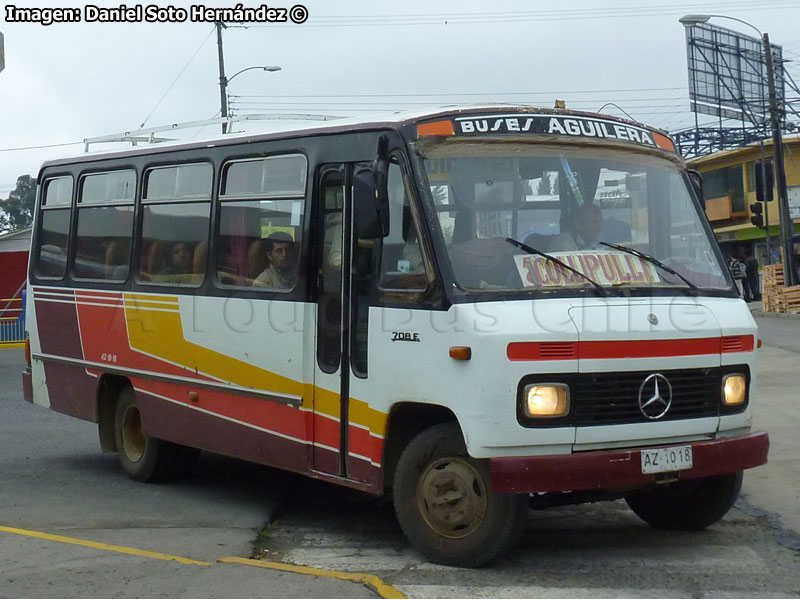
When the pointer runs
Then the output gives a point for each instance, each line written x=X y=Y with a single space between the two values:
x=53 y=479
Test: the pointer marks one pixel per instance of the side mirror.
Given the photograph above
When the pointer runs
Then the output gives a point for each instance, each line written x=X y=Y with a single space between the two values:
x=697 y=182
x=380 y=170
x=370 y=216
x=371 y=196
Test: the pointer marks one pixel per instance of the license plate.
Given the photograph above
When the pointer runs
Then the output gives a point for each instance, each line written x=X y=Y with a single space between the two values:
x=664 y=460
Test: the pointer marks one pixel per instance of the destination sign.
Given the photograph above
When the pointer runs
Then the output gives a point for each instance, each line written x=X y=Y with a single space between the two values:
x=562 y=125
x=605 y=268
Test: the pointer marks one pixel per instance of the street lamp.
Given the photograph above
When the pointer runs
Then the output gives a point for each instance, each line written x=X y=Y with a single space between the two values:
x=223 y=81
x=223 y=88
x=786 y=224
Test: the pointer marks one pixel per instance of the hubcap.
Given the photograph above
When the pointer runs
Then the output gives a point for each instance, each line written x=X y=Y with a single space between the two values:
x=451 y=496
x=133 y=439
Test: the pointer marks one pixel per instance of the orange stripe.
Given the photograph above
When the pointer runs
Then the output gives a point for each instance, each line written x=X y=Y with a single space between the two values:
x=436 y=128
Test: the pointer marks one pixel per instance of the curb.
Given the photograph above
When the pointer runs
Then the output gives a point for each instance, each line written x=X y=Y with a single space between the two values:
x=757 y=312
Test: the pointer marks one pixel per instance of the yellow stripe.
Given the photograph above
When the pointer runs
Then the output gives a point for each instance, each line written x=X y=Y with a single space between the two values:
x=97 y=545
x=12 y=345
x=384 y=590
x=151 y=298
x=140 y=305
x=161 y=334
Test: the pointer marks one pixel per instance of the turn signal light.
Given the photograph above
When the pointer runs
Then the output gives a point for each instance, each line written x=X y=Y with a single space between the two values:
x=460 y=352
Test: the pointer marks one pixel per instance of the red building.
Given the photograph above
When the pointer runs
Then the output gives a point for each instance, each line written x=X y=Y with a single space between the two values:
x=14 y=249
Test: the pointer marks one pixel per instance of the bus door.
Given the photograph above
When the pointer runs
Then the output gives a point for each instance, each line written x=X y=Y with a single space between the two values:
x=345 y=269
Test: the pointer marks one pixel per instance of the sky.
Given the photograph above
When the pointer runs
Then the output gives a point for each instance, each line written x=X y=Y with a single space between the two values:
x=65 y=82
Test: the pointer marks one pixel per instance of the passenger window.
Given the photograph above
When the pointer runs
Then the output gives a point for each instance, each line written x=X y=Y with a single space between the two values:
x=402 y=260
x=261 y=221
x=51 y=256
x=105 y=226
x=175 y=224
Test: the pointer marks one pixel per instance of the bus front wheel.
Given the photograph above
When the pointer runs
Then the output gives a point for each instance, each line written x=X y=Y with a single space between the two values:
x=445 y=505
x=142 y=457
x=689 y=505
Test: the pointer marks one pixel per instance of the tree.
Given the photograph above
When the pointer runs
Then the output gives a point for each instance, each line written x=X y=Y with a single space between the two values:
x=18 y=208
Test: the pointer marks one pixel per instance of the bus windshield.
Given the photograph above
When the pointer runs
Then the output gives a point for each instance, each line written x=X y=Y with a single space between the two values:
x=614 y=218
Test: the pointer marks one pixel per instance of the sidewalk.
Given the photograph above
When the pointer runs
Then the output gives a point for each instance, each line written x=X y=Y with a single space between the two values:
x=773 y=487
x=756 y=309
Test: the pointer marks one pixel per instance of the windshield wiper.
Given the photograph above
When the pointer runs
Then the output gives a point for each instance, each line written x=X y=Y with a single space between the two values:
x=654 y=261
x=531 y=250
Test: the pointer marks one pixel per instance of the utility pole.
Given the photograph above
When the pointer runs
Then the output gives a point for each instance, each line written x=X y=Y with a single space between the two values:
x=787 y=226
x=223 y=81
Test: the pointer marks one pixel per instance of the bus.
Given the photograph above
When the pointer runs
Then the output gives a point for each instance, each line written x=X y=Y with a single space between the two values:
x=479 y=311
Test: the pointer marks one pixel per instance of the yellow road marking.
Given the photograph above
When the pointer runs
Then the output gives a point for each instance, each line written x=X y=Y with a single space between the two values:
x=121 y=549
x=384 y=590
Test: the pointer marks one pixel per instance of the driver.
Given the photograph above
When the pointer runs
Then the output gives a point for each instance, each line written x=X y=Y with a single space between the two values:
x=587 y=223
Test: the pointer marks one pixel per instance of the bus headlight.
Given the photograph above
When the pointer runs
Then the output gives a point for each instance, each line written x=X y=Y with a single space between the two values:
x=546 y=400
x=734 y=388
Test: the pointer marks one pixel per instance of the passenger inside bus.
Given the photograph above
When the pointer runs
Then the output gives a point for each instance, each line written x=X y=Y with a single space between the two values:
x=116 y=260
x=180 y=259
x=281 y=272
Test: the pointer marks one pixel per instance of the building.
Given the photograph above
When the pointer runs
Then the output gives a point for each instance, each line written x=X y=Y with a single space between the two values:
x=14 y=249
x=729 y=187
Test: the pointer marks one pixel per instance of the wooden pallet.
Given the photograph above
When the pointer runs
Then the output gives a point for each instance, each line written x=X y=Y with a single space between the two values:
x=773 y=294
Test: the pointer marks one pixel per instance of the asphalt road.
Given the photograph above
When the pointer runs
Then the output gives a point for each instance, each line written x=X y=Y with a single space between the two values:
x=54 y=480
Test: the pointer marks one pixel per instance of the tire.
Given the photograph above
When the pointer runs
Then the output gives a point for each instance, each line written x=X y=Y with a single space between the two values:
x=142 y=457
x=689 y=505
x=444 y=503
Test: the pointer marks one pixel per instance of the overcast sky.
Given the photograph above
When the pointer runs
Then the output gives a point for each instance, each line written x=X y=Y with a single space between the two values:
x=65 y=82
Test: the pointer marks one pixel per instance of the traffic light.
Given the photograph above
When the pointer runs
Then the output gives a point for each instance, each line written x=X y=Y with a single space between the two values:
x=758 y=218
x=759 y=179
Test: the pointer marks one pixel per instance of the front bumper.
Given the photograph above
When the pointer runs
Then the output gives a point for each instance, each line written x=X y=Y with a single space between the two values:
x=619 y=469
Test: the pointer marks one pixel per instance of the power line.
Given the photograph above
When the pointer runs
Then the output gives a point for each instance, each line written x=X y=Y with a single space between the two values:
x=186 y=66
x=430 y=94
x=520 y=16
x=40 y=147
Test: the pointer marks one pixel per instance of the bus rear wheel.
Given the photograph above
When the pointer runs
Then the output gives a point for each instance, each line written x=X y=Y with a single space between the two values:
x=689 y=505
x=445 y=505
x=142 y=457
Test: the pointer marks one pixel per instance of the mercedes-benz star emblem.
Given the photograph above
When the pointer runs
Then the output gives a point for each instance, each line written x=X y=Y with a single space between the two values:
x=655 y=396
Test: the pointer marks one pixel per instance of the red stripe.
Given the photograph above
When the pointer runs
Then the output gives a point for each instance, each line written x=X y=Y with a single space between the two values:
x=648 y=348
x=524 y=351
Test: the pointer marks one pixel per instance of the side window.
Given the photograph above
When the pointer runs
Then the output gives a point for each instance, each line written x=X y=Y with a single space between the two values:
x=51 y=254
x=261 y=222
x=402 y=260
x=105 y=225
x=176 y=209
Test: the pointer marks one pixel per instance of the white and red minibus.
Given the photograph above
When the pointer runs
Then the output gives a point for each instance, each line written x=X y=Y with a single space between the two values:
x=476 y=310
